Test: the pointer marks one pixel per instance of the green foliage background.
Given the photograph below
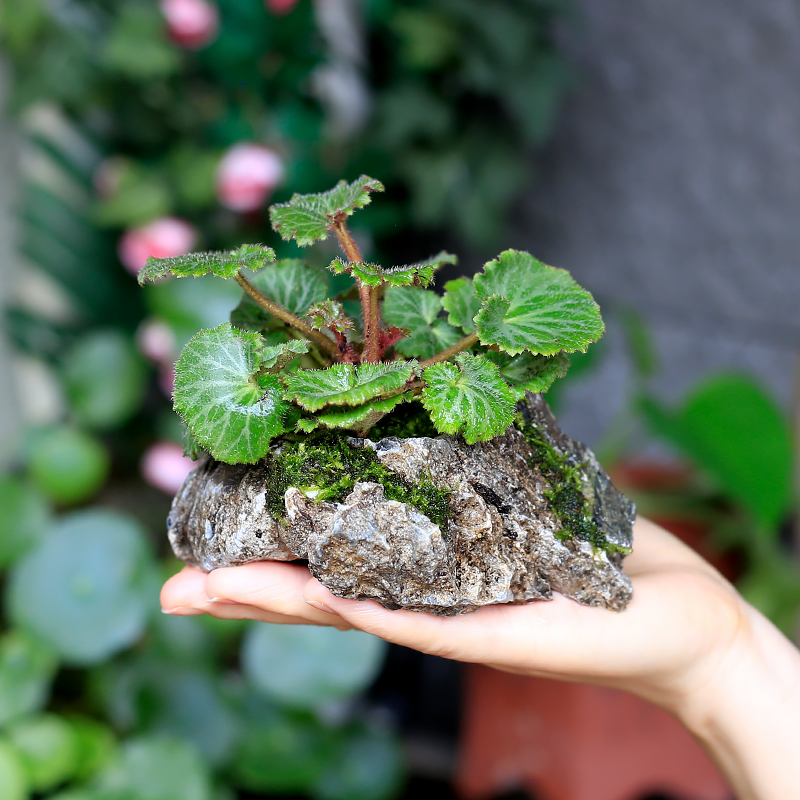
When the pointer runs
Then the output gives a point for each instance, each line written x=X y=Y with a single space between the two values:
x=101 y=696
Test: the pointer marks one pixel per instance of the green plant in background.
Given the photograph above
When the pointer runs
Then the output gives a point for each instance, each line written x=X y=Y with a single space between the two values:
x=144 y=137
x=740 y=443
x=508 y=331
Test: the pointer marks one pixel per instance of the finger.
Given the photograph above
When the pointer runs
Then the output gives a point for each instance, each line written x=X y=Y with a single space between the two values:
x=185 y=594
x=273 y=587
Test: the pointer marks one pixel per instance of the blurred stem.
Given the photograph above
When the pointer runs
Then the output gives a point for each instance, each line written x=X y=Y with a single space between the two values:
x=282 y=314
x=367 y=294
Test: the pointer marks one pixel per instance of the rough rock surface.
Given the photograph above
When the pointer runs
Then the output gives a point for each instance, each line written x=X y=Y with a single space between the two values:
x=499 y=545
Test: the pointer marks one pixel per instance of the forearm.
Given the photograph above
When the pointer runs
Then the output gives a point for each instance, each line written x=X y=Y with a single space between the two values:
x=749 y=719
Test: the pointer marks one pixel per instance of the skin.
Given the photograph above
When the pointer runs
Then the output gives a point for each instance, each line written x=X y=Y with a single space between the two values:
x=687 y=642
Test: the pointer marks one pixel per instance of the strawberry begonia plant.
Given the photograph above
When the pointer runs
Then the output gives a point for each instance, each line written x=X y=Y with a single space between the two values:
x=293 y=359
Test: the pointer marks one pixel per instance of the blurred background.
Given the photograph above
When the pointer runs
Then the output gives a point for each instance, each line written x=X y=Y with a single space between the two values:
x=652 y=150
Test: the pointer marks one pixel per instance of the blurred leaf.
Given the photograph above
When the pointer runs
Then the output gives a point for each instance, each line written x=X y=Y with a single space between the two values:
x=27 y=668
x=13 y=778
x=139 y=197
x=67 y=464
x=366 y=765
x=48 y=748
x=137 y=46
x=20 y=23
x=292 y=284
x=86 y=588
x=731 y=428
x=157 y=768
x=641 y=346
x=23 y=520
x=308 y=667
x=427 y=38
x=105 y=379
x=281 y=753
x=193 y=172
x=96 y=746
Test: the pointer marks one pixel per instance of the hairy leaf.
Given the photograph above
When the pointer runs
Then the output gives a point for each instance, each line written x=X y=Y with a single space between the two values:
x=417 y=310
x=462 y=303
x=329 y=314
x=369 y=274
x=223 y=265
x=535 y=373
x=530 y=306
x=308 y=217
x=362 y=417
x=468 y=395
x=231 y=408
x=344 y=384
x=292 y=284
x=275 y=357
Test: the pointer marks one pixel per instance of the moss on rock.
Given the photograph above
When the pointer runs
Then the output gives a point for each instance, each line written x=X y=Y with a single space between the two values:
x=326 y=467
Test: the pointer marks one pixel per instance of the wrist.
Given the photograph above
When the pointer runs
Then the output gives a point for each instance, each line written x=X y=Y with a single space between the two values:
x=747 y=715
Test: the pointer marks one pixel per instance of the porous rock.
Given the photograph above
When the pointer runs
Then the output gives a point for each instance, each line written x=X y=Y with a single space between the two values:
x=502 y=543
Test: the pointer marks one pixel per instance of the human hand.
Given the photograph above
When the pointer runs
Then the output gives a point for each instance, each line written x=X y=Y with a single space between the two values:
x=683 y=623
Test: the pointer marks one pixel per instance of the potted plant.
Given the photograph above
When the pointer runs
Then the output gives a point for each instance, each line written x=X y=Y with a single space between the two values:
x=393 y=437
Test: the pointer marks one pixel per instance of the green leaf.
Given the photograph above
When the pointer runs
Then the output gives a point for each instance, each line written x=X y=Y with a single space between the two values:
x=468 y=396
x=530 y=372
x=344 y=384
x=308 y=217
x=23 y=520
x=13 y=777
x=157 y=768
x=462 y=303
x=231 y=407
x=67 y=464
x=104 y=378
x=275 y=357
x=417 y=310
x=48 y=747
x=420 y=273
x=527 y=305
x=361 y=418
x=730 y=427
x=329 y=314
x=85 y=590
x=307 y=667
x=221 y=264
x=367 y=765
x=27 y=669
x=292 y=284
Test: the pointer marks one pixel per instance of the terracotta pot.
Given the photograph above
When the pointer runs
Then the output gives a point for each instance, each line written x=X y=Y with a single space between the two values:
x=563 y=741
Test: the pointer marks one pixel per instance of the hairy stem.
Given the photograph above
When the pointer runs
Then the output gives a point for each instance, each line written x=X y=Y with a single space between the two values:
x=464 y=344
x=367 y=294
x=314 y=335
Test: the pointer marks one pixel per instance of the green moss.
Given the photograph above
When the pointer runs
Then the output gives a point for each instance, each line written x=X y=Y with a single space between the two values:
x=325 y=464
x=571 y=506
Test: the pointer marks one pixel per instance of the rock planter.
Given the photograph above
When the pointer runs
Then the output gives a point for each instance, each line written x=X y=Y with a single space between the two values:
x=509 y=520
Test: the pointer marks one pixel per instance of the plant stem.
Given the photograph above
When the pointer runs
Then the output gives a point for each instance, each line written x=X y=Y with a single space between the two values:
x=367 y=294
x=316 y=336
x=464 y=344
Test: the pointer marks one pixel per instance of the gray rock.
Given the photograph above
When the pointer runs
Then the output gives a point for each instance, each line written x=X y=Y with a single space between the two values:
x=501 y=543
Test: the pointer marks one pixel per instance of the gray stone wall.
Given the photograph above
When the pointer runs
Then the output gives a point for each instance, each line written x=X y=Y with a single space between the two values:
x=673 y=185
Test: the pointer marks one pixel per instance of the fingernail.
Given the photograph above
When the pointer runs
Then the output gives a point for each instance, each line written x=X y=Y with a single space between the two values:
x=320 y=606
x=182 y=611
x=220 y=601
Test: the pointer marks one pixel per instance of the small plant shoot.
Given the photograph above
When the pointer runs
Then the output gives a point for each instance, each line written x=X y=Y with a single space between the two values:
x=295 y=359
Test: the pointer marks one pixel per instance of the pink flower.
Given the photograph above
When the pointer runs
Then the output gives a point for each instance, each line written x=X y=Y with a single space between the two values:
x=156 y=341
x=165 y=466
x=163 y=238
x=192 y=24
x=280 y=7
x=247 y=176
